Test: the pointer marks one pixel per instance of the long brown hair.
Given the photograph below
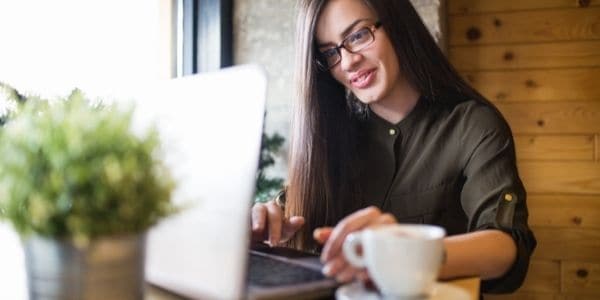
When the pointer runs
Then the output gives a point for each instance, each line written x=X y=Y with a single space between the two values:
x=323 y=174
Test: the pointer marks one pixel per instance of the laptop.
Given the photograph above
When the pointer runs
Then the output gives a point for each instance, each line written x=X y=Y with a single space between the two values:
x=211 y=125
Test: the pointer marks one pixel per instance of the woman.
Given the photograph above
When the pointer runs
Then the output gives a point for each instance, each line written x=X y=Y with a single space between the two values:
x=386 y=131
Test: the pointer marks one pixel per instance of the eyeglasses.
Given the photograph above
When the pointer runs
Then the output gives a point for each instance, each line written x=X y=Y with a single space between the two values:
x=353 y=43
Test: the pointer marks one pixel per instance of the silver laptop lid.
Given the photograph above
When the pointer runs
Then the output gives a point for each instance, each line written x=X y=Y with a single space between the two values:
x=211 y=127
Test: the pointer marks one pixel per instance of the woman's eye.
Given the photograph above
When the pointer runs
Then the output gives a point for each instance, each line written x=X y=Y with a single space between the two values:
x=357 y=36
x=329 y=53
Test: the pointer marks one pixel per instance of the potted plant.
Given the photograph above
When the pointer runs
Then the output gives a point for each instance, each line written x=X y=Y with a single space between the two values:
x=81 y=189
x=267 y=187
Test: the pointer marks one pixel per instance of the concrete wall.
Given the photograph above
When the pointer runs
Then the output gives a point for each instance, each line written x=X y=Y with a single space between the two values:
x=264 y=34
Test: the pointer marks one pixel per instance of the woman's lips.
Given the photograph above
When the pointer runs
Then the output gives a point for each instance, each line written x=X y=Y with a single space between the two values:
x=363 y=79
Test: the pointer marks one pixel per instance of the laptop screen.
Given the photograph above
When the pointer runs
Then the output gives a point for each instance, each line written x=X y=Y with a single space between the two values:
x=211 y=126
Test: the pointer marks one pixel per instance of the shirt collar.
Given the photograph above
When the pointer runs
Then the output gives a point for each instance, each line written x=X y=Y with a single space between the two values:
x=379 y=126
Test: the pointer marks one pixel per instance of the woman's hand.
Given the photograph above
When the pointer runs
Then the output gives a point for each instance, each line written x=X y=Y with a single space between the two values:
x=269 y=224
x=332 y=255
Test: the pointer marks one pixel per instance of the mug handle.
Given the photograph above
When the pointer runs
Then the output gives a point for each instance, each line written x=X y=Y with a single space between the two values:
x=351 y=243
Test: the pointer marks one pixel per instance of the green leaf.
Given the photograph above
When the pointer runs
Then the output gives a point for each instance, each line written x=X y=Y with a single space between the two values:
x=73 y=169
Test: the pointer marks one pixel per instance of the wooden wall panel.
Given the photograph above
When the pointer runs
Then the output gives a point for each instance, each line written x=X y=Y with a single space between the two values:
x=560 y=177
x=548 y=279
x=555 y=147
x=525 y=26
x=520 y=56
x=579 y=297
x=578 y=84
x=552 y=117
x=581 y=278
x=564 y=210
x=567 y=244
x=597 y=146
x=545 y=283
x=539 y=62
x=540 y=296
x=479 y=6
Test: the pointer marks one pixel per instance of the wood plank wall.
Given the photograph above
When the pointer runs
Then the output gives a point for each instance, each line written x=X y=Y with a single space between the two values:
x=539 y=62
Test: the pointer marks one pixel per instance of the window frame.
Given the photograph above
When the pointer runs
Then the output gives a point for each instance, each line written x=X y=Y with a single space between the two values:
x=205 y=34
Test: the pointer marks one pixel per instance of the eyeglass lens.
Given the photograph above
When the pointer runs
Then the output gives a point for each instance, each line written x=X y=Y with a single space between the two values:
x=354 y=42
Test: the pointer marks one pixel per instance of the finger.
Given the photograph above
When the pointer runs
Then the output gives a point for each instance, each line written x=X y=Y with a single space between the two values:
x=321 y=235
x=347 y=274
x=259 y=214
x=290 y=227
x=353 y=222
x=334 y=267
x=275 y=219
x=363 y=276
x=384 y=219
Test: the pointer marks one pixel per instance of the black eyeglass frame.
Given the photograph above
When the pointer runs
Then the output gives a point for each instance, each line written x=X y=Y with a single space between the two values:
x=322 y=62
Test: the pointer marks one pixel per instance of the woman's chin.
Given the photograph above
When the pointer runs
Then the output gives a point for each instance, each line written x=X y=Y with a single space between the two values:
x=367 y=99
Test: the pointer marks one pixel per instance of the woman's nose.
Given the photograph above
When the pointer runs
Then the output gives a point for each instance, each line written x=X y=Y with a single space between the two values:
x=348 y=59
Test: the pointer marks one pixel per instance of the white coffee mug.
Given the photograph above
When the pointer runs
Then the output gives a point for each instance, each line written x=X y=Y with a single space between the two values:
x=402 y=259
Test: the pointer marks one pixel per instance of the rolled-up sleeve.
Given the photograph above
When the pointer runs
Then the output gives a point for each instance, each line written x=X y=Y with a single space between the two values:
x=493 y=196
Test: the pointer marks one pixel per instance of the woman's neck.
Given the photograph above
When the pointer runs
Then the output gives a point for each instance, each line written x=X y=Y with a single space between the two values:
x=398 y=105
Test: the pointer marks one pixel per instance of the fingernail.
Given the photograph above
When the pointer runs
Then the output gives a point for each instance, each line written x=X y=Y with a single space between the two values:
x=316 y=234
x=326 y=270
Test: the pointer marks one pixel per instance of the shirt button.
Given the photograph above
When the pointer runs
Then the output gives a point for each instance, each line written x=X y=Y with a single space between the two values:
x=392 y=131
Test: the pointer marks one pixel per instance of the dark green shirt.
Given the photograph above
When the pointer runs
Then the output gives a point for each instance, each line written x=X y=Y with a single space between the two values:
x=451 y=165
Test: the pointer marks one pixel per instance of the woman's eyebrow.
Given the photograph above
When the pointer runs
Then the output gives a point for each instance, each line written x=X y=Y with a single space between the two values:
x=344 y=33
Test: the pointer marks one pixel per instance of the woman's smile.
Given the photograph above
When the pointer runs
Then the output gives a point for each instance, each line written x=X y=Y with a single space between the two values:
x=363 y=78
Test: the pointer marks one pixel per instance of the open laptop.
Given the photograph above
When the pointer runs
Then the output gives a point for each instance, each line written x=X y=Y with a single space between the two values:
x=211 y=125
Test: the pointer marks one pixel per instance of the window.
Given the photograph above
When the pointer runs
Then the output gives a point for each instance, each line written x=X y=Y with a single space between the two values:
x=53 y=46
x=204 y=35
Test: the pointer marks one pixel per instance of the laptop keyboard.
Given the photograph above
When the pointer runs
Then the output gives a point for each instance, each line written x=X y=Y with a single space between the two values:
x=265 y=271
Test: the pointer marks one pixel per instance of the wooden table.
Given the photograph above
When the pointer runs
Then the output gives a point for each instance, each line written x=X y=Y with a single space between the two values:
x=13 y=275
x=470 y=285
